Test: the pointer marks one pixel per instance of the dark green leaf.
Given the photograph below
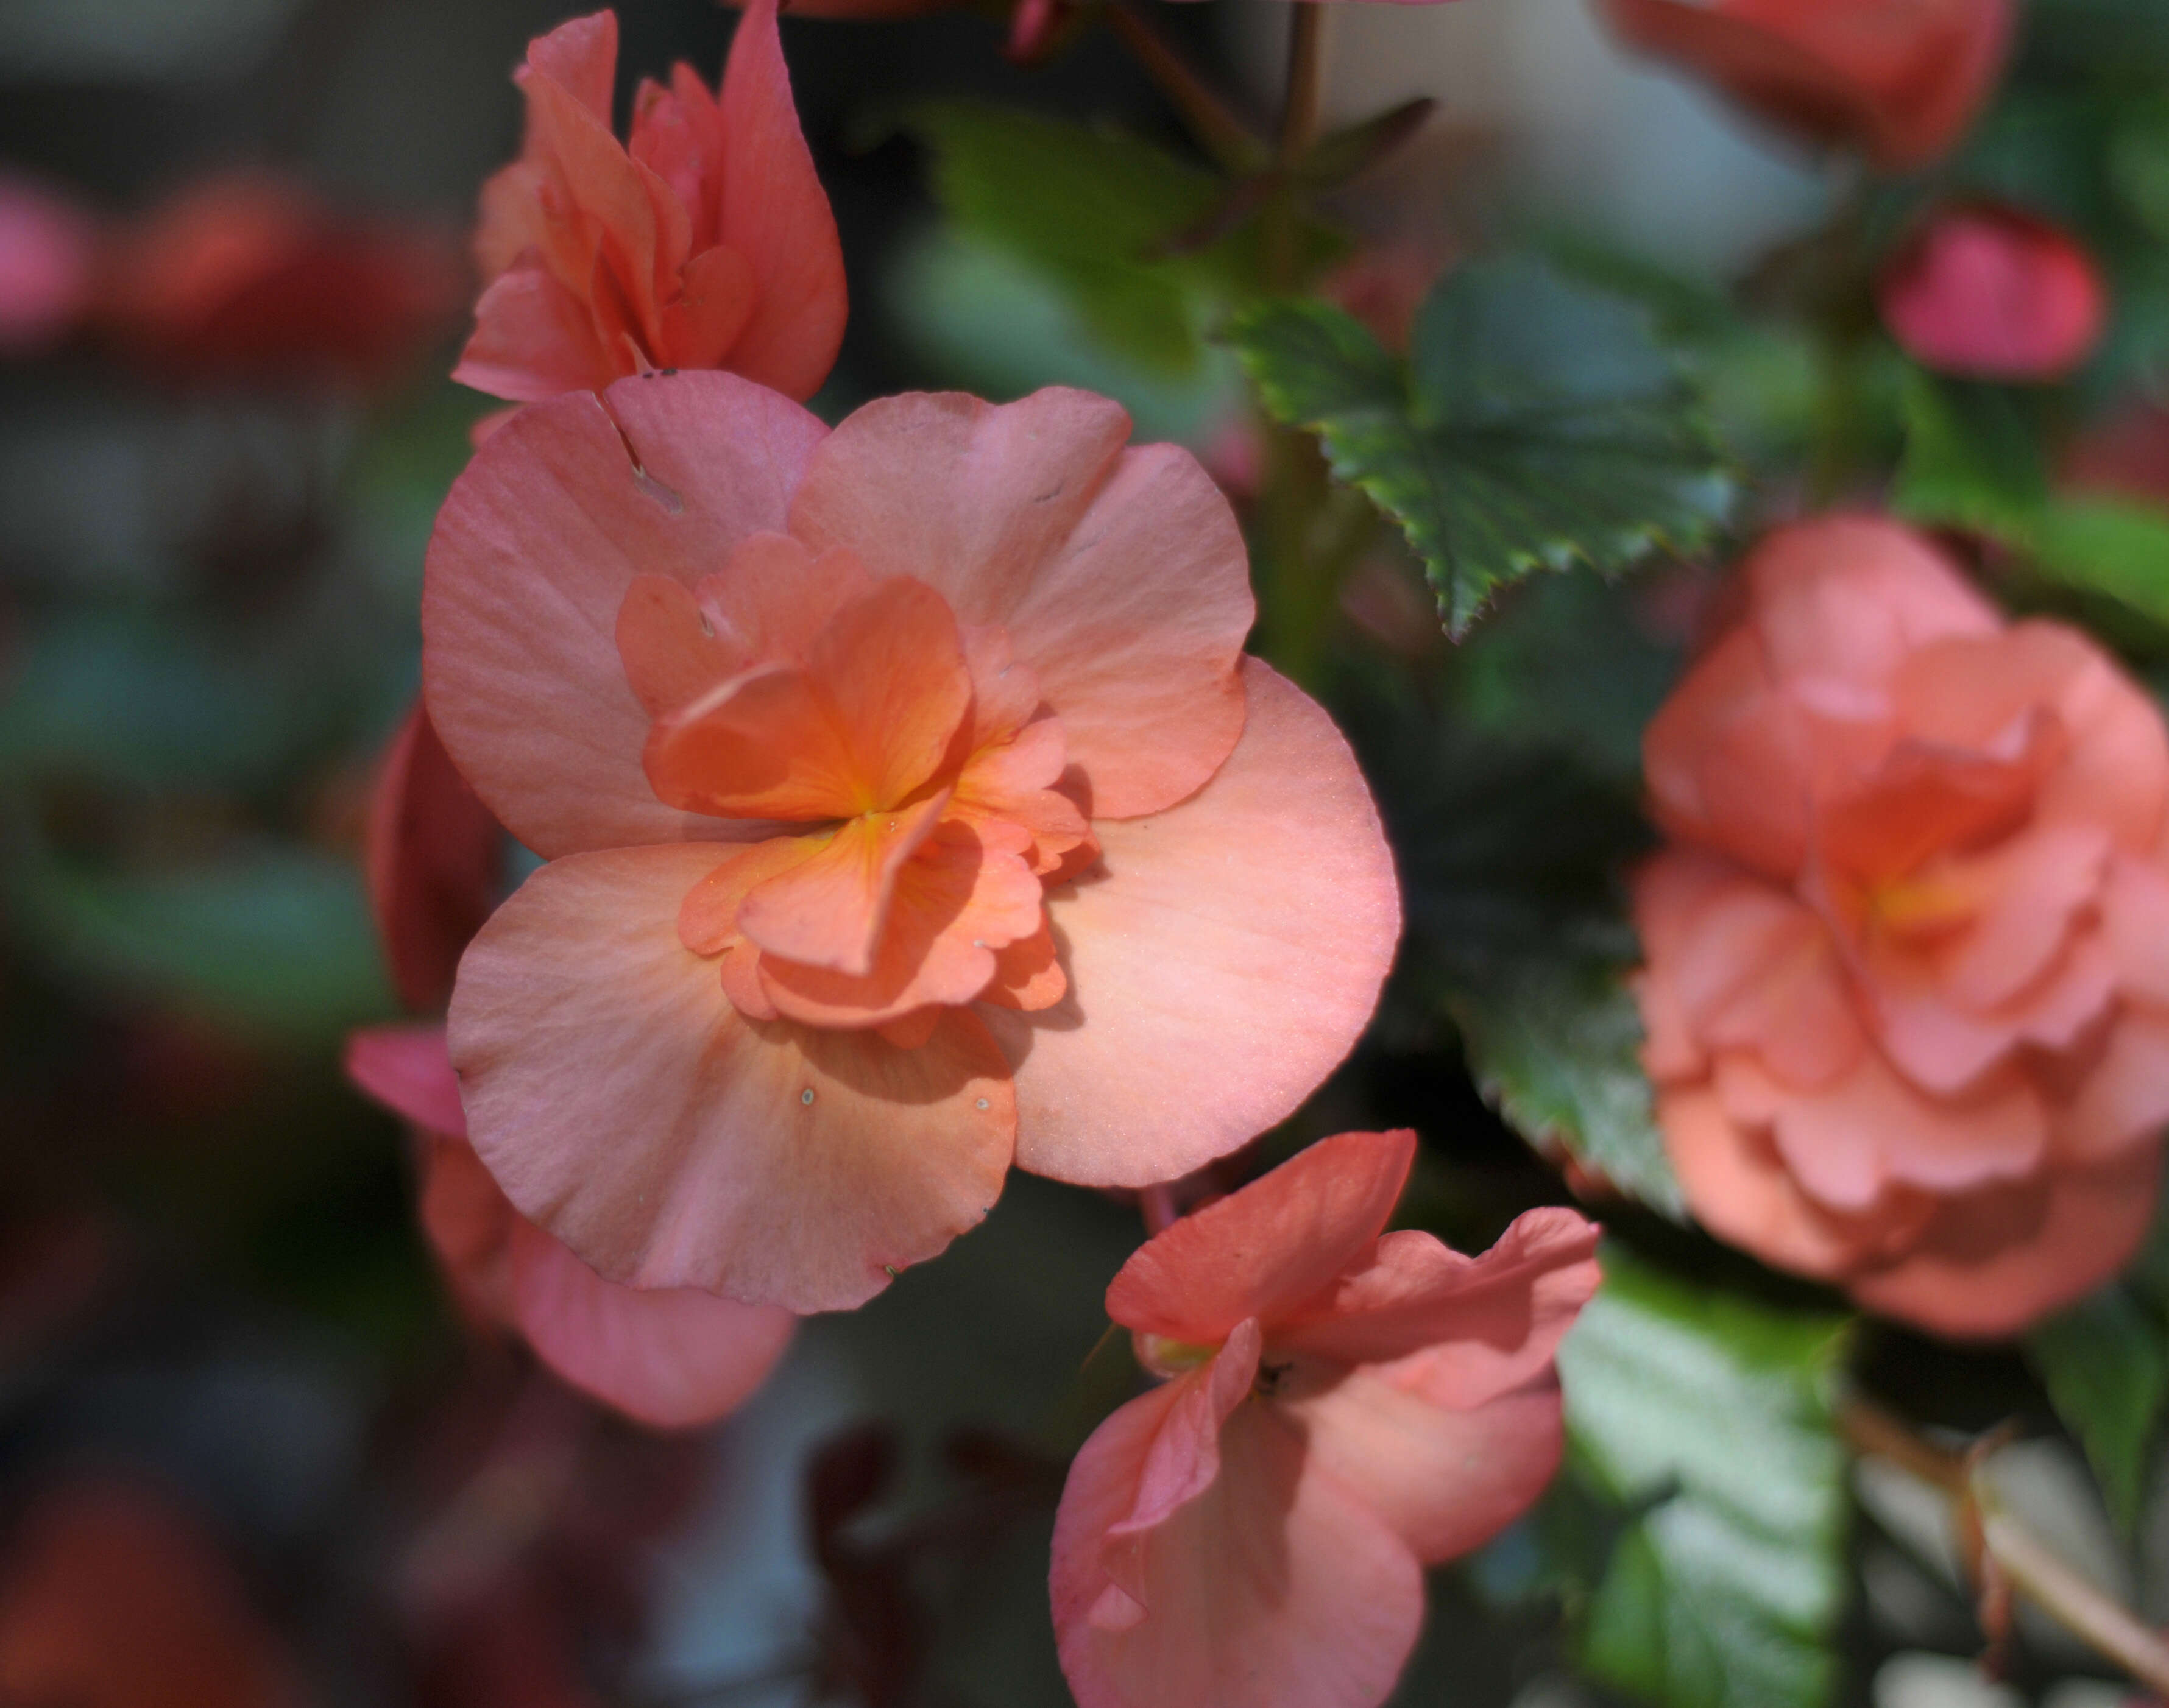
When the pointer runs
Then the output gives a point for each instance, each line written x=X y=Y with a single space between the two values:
x=1537 y=424
x=1095 y=209
x=1713 y=1415
x=2105 y=1363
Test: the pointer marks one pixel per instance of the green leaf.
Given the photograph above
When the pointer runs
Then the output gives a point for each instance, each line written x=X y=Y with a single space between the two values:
x=1092 y=208
x=1537 y=424
x=1713 y=1415
x=2105 y=1363
x=275 y=939
x=1974 y=460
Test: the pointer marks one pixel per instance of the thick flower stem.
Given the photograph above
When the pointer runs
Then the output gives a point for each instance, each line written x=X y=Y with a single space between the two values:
x=1219 y=131
x=2022 y=1559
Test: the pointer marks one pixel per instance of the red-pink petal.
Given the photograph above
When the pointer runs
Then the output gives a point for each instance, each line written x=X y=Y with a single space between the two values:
x=1270 y=1249
x=533 y=339
x=409 y=1069
x=629 y=1110
x=1121 y=576
x=671 y=1357
x=1992 y=292
x=533 y=554
x=1220 y=963
x=1481 y=1325
x=775 y=214
x=1274 y=1588
x=1447 y=1478
x=1184 y=1459
x=434 y=860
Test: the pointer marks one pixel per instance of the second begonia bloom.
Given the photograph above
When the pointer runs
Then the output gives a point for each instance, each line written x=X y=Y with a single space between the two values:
x=1907 y=981
x=1900 y=80
x=1990 y=292
x=909 y=807
x=703 y=241
x=1343 y=1406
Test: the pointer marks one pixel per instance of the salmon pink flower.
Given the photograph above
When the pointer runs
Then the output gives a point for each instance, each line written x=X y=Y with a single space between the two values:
x=704 y=242
x=1344 y=1407
x=669 y=1358
x=252 y=277
x=909 y=805
x=1907 y=988
x=1992 y=292
x=1900 y=80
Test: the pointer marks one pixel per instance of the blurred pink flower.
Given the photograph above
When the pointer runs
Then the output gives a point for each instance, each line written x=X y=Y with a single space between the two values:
x=48 y=264
x=909 y=807
x=252 y=277
x=1344 y=1406
x=435 y=860
x=1992 y=293
x=1900 y=80
x=704 y=242
x=1907 y=988
x=670 y=1358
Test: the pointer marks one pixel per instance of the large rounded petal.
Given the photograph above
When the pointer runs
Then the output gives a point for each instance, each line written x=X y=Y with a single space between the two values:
x=628 y=1108
x=1120 y=575
x=1991 y=1263
x=672 y=1358
x=1273 y=1588
x=1222 y=961
x=532 y=557
x=1447 y=1480
x=1269 y=1249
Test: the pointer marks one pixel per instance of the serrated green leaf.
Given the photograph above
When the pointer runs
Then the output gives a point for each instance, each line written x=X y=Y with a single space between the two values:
x=2105 y=1363
x=1713 y=1414
x=1537 y=424
x=1091 y=207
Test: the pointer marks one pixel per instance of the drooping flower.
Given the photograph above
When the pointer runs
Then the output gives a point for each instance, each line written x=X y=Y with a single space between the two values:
x=1900 y=80
x=1907 y=987
x=1343 y=1406
x=1993 y=293
x=111 y=1596
x=671 y=1358
x=908 y=806
x=252 y=277
x=703 y=242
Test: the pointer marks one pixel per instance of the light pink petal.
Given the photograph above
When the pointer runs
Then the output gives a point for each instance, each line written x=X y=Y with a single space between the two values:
x=533 y=339
x=1994 y=1263
x=48 y=258
x=1740 y=1191
x=1447 y=1478
x=2116 y=771
x=433 y=857
x=628 y=1108
x=2135 y=927
x=1482 y=1325
x=1271 y=1247
x=671 y=1358
x=2124 y=1100
x=2035 y=884
x=1727 y=761
x=1272 y=1589
x=1945 y=1048
x=1121 y=576
x=468 y=1223
x=533 y=555
x=1222 y=961
x=581 y=55
x=1847 y=1144
x=775 y=214
x=408 y=1070
x=1184 y=1459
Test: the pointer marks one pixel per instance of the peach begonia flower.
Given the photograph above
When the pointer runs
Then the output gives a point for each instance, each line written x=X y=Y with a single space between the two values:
x=112 y=1596
x=1900 y=80
x=252 y=277
x=704 y=242
x=909 y=807
x=1992 y=293
x=1344 y=1407
x=671 y=1358
x=1907 y=988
